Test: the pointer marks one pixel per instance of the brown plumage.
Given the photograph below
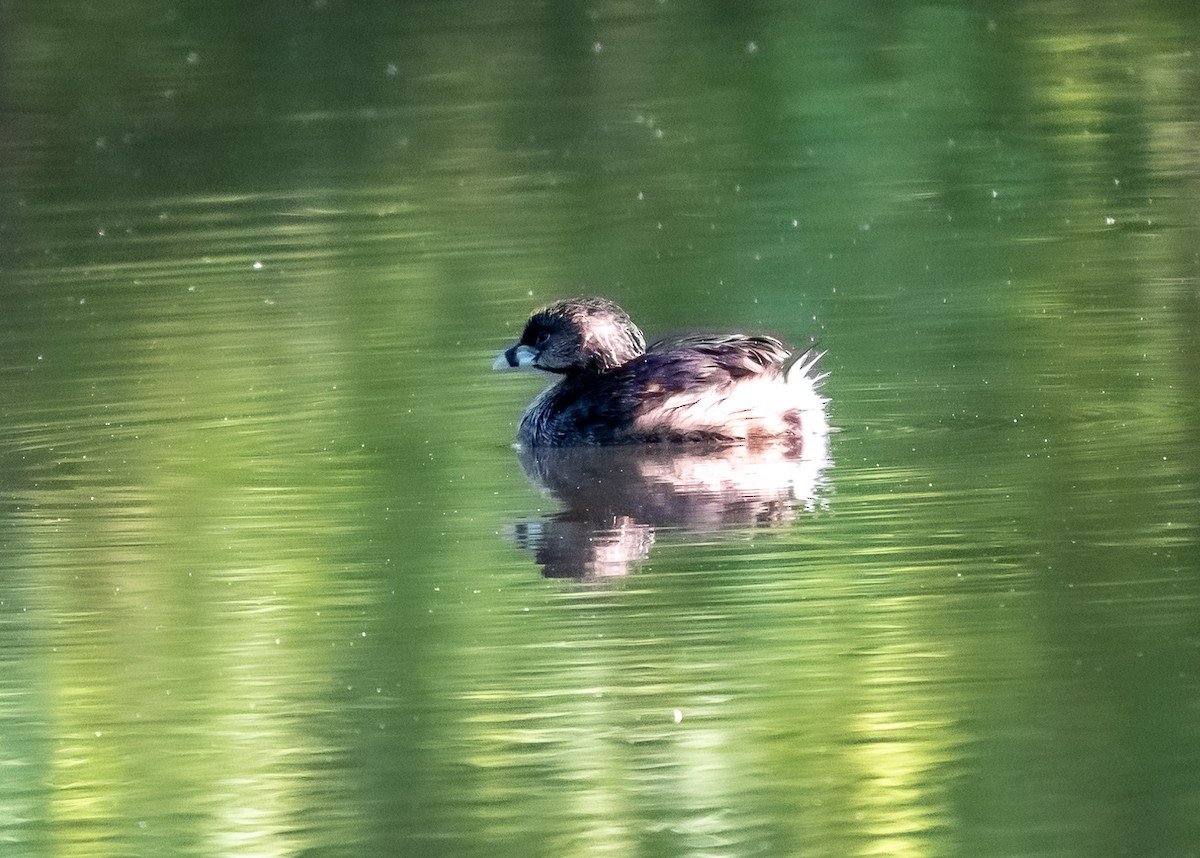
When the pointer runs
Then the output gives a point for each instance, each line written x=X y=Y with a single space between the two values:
x=612 y=389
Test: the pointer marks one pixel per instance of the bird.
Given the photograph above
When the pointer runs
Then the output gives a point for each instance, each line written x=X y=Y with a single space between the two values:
x=611 y=388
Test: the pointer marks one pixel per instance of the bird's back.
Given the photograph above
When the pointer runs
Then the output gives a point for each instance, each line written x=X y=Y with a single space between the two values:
x=689 y=388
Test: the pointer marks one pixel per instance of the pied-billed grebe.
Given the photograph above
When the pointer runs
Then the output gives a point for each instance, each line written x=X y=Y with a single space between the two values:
x=614 y=390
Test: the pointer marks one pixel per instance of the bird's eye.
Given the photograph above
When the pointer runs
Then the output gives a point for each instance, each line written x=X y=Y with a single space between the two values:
x=542 y=339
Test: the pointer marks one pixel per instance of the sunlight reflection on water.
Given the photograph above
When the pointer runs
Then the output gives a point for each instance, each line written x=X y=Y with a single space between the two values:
x=274 y=580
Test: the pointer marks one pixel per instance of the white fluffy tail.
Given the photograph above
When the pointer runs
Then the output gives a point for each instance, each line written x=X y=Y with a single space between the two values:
x=802 y=370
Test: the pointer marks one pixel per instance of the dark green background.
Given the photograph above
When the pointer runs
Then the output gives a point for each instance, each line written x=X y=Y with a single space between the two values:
x=258 y=590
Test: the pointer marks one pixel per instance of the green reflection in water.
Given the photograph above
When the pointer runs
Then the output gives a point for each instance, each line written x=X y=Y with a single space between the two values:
x=258 y=596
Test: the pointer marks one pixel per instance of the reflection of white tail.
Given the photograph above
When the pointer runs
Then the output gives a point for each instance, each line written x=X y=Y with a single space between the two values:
x=614 y=499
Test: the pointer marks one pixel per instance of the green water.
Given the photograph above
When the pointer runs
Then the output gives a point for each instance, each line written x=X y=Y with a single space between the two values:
x=269 y=571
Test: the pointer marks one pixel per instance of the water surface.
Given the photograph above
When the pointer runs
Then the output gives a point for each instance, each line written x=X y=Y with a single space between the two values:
x=273 y=580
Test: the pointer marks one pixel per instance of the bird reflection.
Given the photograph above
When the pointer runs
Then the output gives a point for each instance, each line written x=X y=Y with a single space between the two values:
x=613 y=499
